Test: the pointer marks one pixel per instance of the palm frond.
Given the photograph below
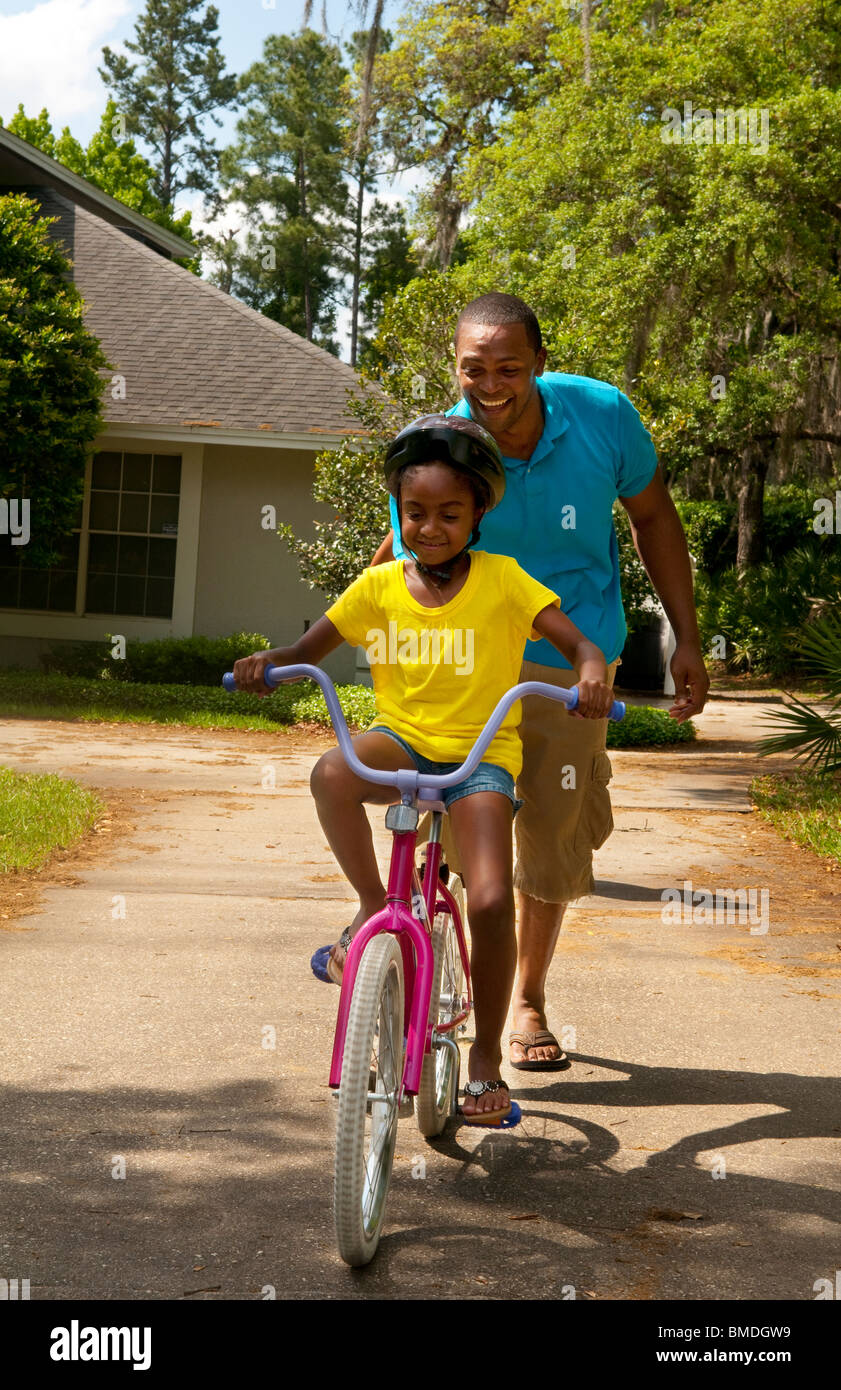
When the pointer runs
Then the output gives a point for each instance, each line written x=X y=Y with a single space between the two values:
x=814 y=737
x=821 y=644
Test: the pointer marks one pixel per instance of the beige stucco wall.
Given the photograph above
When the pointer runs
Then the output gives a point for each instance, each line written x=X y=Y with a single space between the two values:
x=246 y=578
x=232 y=573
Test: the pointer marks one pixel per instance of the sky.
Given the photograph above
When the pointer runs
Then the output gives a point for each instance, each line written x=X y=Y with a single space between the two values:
x=50 y=52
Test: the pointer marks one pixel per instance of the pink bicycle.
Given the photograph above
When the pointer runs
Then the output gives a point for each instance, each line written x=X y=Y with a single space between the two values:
x=405 y=985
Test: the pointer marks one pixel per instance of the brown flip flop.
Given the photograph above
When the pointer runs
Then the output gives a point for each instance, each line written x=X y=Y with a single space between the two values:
x=542 y=1038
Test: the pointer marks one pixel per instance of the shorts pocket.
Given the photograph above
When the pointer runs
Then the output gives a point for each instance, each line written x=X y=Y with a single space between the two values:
x=596 y=820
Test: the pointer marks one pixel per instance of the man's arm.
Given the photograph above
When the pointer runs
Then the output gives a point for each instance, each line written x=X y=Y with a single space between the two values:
x=385 y=552
x=661 y=545
x=595 y=698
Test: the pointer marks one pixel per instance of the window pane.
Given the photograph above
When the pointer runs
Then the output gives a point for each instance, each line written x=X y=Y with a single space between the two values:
x=134 y=511
x=134 y=498
x=104 y=511
x=159 y=598
x=63 y=590
x=100 y=595
x=68 y=552
x=137 y=472
x=105 y=473
x=102 y=556
x=167 y=473
x=131 y=594
x=163 y=517
x=133 y=556
x=9 y=587
x=162 y=559
x=34 y=588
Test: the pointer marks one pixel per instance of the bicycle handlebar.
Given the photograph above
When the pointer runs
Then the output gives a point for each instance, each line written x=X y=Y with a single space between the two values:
x=410 y=780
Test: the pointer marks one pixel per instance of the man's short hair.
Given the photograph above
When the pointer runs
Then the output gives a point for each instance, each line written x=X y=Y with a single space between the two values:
x=495 y=309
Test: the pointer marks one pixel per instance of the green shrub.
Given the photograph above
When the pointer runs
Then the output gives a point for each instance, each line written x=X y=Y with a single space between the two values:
x=638 y=597
x=711 y=527
x=645 y=727
x=168 y=661
x=87 y=659
x=788 y=515
x=762 y=613
x=711 y=532
x=357 y=702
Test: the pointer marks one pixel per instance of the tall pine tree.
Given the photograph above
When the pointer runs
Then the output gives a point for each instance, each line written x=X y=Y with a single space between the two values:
x=286 y=170
x=178 y=83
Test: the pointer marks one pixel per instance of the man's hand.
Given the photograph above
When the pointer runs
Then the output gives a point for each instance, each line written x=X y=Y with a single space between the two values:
x=691 y=680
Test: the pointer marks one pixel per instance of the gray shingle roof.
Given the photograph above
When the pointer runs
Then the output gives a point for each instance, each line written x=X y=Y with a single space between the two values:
x=24 y=167
x=189 y=352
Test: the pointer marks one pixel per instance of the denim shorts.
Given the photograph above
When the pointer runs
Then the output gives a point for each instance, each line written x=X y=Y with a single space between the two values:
x=487 y=777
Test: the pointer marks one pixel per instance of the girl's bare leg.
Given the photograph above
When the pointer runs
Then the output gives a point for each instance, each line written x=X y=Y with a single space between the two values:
x=481 y=826
x=339 y=800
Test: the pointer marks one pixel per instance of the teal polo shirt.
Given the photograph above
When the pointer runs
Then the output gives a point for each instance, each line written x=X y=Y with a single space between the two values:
x=556 y=518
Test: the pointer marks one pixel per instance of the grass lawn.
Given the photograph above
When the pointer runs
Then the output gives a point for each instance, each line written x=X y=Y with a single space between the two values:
x=39 y=814
x=29 y=694
x=803 y=807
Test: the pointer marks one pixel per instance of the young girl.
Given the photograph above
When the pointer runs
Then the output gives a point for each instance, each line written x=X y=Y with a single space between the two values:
x=444 y=632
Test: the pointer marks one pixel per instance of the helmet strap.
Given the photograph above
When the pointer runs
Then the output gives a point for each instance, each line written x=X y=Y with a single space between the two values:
x=442 y=573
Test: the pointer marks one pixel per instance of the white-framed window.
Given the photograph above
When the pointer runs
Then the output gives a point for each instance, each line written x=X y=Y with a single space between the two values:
x=125 y=542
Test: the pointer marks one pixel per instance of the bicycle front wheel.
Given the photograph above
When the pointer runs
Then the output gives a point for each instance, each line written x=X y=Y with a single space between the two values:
x=439 y=1077
x=372 y=1074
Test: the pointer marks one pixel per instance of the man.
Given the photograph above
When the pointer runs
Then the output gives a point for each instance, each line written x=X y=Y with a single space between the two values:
x=571 y=446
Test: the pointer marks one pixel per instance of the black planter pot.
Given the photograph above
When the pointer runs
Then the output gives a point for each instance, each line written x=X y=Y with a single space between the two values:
x=643 y=664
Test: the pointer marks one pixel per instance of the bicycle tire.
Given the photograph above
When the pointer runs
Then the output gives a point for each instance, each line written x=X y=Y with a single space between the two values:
x=366 y=1131
x=440 y=1073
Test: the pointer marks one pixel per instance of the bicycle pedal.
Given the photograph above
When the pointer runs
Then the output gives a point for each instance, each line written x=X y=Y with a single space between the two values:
x=406 y=1108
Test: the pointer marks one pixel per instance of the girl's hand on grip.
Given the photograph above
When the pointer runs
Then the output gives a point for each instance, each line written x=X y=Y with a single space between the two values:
x=248 y=672
x=595 y=700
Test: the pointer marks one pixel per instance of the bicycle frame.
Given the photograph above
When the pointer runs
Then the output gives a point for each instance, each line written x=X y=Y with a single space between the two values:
x=413 y=935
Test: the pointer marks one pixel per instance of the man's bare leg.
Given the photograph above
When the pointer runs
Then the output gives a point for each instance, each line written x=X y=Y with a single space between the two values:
x=537 y=935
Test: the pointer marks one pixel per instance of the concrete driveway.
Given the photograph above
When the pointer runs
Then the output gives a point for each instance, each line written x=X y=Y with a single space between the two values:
x=167 y=1129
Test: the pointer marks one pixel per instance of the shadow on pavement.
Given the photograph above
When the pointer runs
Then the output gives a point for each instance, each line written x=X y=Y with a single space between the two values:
x=228 y=1192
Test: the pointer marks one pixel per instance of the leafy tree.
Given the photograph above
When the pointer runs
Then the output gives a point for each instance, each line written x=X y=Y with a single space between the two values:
x=364 y=157
x=456 y=67
x=178 y=83
x=389 y=264
x=380 y=257
x=699 y=274
x=672 y=266
x=413 y=339
x=50 y=388
x=110 y=161
x=286 y=169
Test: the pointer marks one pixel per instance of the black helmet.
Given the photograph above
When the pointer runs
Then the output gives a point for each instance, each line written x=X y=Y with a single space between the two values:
x=462 y=443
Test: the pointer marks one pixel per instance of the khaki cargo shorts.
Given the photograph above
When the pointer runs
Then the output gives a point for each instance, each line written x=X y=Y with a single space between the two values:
x=566 y=811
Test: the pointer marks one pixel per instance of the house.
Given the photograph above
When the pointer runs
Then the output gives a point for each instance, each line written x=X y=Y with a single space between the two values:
x=214 y=417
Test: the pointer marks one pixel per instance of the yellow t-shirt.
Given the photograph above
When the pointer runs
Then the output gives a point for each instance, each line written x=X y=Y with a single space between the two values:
x=439 y=672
